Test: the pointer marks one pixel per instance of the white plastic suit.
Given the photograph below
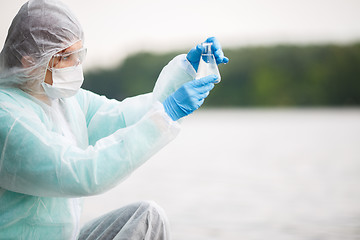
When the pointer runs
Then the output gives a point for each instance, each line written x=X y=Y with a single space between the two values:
x=50 y=155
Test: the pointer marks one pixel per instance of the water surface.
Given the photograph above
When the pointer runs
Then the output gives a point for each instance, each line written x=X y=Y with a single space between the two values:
x=259 y=174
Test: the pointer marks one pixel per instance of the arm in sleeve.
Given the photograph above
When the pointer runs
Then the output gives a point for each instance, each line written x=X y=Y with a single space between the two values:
x=100 y=111
x=39 y=162
x=105 y=116
x=177 y=72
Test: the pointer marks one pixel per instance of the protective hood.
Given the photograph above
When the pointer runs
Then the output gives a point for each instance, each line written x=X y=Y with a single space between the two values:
x=40 y=29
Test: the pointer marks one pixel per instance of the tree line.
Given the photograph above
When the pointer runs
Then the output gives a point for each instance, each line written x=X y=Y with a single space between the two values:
x=284 y=75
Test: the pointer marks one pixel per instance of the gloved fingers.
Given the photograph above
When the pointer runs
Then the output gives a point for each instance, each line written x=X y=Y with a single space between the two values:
x=201 y=102
x=205 y=88
x=219 y=57
x=194 y=55
x=199 y=49
x=204 y=81
x=218 y=53
x=204 y=95
x=198 y=104
x=194 y=103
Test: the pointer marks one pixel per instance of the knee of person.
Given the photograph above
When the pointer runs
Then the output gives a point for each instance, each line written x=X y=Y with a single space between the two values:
x=153 y=208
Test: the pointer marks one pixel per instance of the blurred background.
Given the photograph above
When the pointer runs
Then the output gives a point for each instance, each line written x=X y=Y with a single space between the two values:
x=274 y=151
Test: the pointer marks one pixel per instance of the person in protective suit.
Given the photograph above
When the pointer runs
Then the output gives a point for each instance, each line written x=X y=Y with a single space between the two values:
x=59 y=142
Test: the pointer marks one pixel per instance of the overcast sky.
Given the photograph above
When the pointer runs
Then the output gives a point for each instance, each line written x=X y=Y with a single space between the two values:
x=116 y=28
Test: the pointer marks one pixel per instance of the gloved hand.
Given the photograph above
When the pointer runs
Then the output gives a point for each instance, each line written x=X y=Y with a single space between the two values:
x=194 y=54
x=189 y=97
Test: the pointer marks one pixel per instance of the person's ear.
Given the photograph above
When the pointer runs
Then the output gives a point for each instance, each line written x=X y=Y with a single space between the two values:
x=27 y=61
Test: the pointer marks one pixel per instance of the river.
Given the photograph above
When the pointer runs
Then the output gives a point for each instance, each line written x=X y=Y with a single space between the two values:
x=253 y=174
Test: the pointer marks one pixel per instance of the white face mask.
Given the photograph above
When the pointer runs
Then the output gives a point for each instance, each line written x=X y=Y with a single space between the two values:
x=66 y=82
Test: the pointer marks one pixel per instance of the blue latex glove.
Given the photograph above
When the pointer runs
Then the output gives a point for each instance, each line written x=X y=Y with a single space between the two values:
x=194 y=54
x=189 y=97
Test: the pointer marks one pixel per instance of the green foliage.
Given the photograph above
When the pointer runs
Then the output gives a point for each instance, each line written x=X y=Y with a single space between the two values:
x=326 y=75
x=137 y=75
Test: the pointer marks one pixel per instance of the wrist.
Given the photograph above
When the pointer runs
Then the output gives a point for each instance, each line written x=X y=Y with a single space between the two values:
x=168 y=106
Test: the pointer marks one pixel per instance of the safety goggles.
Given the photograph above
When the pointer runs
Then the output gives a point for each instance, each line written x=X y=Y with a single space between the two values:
x=68 y=59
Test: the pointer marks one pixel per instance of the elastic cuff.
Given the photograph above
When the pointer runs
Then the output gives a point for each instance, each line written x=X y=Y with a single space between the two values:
x=159 y=107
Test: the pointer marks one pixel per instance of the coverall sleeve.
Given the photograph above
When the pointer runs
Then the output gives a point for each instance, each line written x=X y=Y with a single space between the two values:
x=36 y=161
x=169 y=80
x=113 y=114
x=105 y=116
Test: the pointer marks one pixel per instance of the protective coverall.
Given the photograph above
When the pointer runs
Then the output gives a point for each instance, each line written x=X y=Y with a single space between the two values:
x=51 y=155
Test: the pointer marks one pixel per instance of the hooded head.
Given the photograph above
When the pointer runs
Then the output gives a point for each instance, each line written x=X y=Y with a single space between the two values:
x=40 y=29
